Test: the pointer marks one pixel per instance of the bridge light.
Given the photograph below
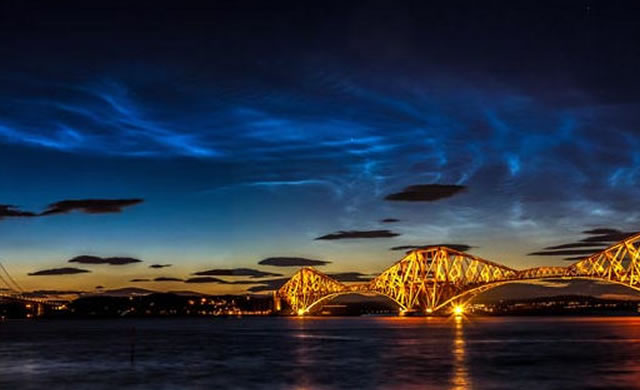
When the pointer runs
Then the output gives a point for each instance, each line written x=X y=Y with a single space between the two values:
x=429 y=311
x=300 y=312
x=458 y=310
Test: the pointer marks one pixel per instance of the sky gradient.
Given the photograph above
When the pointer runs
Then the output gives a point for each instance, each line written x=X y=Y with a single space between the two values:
x=213 y=137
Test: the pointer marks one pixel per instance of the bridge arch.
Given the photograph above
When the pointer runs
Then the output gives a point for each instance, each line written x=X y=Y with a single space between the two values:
x=332 y=296
x=468 y=295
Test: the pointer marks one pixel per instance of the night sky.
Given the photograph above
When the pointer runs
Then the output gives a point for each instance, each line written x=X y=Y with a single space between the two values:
x=195 y=142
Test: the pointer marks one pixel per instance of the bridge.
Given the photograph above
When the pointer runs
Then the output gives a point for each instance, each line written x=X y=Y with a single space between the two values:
x=10 y=290
x=437 y=278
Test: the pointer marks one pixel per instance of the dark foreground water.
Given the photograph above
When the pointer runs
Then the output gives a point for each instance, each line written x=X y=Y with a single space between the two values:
x=323 y=353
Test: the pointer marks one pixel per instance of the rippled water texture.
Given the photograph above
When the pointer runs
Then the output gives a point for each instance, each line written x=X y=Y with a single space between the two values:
x=323 y=353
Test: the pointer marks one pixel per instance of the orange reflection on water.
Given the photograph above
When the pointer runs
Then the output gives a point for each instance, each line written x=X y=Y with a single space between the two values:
x=302 y=354
x=460 y=379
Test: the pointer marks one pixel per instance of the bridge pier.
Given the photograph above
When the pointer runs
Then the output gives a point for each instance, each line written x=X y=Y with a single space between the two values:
x=34 y=309
x=40 y=310
x=277 y=302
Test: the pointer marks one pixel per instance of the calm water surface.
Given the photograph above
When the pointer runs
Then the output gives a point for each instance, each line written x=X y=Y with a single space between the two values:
x=323 y=353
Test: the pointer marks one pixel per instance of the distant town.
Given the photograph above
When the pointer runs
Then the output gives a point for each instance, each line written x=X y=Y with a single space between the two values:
x=179 y=305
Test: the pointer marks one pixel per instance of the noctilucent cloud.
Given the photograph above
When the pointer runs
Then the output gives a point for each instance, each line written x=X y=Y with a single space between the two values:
x=219 y=136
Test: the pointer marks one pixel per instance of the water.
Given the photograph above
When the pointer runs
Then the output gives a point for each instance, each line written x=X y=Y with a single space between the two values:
x=323 y=353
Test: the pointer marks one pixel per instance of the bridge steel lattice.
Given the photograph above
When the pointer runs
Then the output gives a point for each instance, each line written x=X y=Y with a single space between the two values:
x=435 y=278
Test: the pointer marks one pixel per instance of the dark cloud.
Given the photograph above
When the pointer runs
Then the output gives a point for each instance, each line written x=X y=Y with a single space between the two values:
x=253 y=273
x=606 y=235
x=138 y=280
x=600 y=231
x=211 y=279
x=59 y=271
x=160 y=265
x=167 y=279
x=350 y=277
x=358 y=234
x=99 y=287
x=569 y=252
x=7 y=210
x=425 y=192
x=599 y=240
x=268 y=285
x=208 y=279
x=292 y=262
x=458 y=247
x=576 y=245
x=90 y=206
x=86 y=259
x=389 y=220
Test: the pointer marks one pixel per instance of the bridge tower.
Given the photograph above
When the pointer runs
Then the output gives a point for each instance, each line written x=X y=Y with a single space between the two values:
x=306 y=287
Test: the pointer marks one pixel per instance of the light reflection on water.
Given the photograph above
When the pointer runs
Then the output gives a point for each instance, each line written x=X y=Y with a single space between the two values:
x=323 y=353
x=460 y=375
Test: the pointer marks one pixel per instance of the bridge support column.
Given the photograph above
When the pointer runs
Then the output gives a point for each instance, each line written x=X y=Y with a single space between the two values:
x=40 y=310
x=277 y=302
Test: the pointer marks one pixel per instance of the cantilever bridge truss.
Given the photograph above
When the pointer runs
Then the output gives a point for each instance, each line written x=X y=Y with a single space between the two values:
x=435 y=278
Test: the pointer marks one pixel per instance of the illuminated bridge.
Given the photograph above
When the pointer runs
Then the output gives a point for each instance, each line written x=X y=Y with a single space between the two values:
x=10 y=290
x=437 y=278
